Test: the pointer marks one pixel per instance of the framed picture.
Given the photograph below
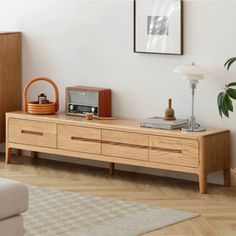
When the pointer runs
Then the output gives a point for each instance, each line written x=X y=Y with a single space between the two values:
x=158 y=26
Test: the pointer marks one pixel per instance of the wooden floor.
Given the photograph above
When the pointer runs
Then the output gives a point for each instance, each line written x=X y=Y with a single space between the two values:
x=217 y=209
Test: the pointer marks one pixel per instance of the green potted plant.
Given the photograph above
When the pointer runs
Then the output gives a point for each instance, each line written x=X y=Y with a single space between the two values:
x=224 y=99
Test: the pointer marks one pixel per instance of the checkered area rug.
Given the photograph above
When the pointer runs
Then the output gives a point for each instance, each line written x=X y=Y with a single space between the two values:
x=54 y=213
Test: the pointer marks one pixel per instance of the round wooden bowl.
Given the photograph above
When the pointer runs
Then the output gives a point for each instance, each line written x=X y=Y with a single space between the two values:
x=41 y=109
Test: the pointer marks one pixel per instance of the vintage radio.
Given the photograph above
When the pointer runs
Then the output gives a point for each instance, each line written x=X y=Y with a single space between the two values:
x=81 y=100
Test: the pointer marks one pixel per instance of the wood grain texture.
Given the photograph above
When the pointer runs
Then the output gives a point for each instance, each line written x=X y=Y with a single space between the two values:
x=171 y=158
x=175 y=151
x=10 y=76
x=117 y=124
x=33 y=133
x=104 y=103
x=8 y=155
x=214 y=156
x=124 y=151
x=218 y=149
x=217 y=208
x=89 y=156
x=79 y=139
x=94 y=140
x=125 y=137
x=187 y=148
x=202 y=175
x=125 y=144
x=9 y=32
x=87 y=88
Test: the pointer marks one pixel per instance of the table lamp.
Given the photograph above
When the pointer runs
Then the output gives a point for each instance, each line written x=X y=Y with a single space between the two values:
x=192 y=73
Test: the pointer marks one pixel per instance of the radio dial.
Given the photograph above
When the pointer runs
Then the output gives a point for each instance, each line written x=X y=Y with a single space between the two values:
x=71 y=107
x=92 y=109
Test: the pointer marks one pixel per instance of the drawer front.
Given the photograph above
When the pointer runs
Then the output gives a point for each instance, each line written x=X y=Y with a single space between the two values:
x=175 y=151
x=80 y=139
x=125 y=137
x=125 y=144
x=32 y=133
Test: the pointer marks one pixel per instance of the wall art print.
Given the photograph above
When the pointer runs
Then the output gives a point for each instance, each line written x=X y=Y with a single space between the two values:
x=158 y=26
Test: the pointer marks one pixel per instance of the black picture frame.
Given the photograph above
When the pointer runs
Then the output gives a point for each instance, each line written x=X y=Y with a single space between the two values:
x=181 y=45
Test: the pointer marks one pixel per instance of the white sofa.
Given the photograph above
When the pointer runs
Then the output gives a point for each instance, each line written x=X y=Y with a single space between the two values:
x=13 y=202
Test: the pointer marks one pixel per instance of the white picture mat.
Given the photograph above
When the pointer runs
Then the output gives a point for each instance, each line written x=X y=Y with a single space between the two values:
x=144 y=42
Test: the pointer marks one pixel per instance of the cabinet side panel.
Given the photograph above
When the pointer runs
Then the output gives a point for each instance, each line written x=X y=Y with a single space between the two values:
x=10 y=76
x=217 y=152
x=104 y=103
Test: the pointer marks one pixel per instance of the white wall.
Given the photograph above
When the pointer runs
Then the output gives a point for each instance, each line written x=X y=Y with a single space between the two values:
x=91 y=43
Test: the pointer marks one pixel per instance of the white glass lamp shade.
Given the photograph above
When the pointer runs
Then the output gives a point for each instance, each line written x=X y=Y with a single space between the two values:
x=192 y=73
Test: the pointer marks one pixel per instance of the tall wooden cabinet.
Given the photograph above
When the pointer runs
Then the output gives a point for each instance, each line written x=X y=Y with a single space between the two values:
x=10 y=76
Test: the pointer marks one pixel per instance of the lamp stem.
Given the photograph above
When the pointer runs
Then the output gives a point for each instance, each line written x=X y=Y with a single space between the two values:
x=192 y=125
x=192 y=121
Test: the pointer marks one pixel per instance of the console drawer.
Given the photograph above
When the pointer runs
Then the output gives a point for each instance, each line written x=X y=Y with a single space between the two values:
x=80 y=139
x=32 y=133
x=125 y=144
x=175 y=151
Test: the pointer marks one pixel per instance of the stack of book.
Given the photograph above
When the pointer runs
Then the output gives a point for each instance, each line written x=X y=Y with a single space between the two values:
x=160 y=123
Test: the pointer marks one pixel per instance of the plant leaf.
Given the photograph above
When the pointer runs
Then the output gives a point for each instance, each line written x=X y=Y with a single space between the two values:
x=229 y=65
x=229 y=62
x=231 y=84
x=231 y=92
x=224 y=108
x=219 y=102
x=220 y=112
x=228 y=102
x=230 y=59
x=225 y=111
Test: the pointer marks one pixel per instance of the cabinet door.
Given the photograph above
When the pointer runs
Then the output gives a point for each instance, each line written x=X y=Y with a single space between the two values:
x=10 y=76
x=35 y=133
x=174 y=151
x=80 y=139
x=125 y=144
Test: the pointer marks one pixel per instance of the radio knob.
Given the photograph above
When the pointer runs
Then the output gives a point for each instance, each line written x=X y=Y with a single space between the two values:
x=92 y=109
x=71 y=107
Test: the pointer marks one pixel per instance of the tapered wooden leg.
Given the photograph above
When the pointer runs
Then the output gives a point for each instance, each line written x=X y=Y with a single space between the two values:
x=112 y=167
x=34 y=155
x=203 y=182
x=17 y=152
x=8 y=156
x=227 y=181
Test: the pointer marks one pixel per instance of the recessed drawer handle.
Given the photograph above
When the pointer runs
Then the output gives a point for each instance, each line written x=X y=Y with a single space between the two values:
x=85 y=139
x=125 y=144
x=166 y=150
x=31 y=132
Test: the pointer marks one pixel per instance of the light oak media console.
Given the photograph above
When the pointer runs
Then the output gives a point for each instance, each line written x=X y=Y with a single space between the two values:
x=121 y=141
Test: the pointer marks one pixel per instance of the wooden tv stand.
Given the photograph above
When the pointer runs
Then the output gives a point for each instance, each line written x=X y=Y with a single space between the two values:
x=121 y=141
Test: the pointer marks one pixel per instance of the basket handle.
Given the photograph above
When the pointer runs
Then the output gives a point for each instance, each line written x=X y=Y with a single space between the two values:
x=37 y=79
